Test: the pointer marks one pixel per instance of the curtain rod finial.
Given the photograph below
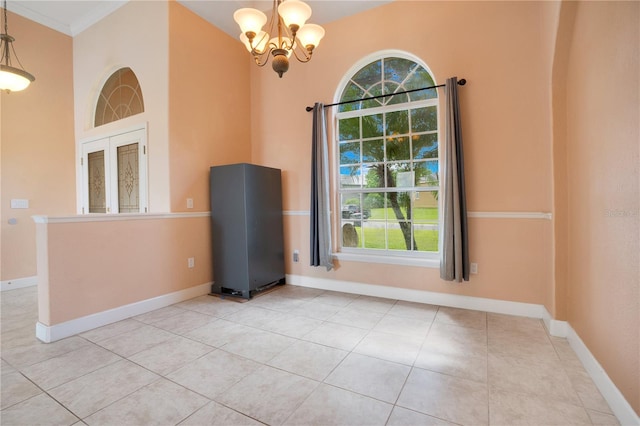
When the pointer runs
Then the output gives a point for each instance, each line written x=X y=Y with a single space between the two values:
x=309 y=109
x=462 y=82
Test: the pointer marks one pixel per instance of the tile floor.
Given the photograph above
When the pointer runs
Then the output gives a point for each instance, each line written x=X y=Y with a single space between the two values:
x=295 y=356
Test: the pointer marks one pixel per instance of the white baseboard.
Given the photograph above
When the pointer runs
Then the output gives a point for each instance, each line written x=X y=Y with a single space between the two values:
x=55 y=332
x=554 y=327
x=617 y=402
x=18 y=283
x=420 y=296
x=619 y=405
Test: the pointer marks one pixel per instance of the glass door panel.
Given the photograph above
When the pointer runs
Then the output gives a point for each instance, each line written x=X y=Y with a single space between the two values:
x=97 y=182
x=128 y=179
x=95 y=176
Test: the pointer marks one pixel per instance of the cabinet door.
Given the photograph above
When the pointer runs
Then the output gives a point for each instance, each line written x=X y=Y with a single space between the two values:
x=128 y=168
x=264 y=219
x=95 y=188
x=114 y=174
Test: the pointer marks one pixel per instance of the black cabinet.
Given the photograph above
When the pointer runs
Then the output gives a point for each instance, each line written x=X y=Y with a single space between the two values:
x=247 y=230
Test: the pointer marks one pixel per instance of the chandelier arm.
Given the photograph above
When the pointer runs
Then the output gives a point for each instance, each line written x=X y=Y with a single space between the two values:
x=259 y=56
x=293 y=39
x=268 y=48
x=15 y=55
x=306 y=57
x=258 y=63
x=262 y=58
x=5 y=51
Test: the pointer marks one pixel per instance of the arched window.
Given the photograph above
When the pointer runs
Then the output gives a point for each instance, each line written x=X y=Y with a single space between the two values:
x=388 y=159
x=120 y=97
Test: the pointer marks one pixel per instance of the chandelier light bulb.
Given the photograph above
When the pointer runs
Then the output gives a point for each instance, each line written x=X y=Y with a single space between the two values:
x=294 y=13
x=310 y=35
x=250 y=21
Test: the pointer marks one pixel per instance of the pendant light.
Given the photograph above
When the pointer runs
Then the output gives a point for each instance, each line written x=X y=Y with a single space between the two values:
x=287 y=33
x=12 y=79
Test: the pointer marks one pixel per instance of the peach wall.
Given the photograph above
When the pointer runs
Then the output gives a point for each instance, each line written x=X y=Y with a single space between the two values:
x=496 y=46
x=136 y=36
x=564 y=31
x=87 y=270
x=208 y=105
x=509 y=271
x=603 y=181
x=37 y=143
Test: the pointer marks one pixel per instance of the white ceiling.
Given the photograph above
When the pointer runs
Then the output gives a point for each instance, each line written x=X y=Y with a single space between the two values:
x=71 y=17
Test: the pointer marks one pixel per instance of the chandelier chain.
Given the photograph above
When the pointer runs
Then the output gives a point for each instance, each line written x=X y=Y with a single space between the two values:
x=6 y=41
x=6 y=30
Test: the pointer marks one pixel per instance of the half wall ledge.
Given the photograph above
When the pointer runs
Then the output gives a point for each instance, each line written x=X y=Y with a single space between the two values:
x=97 y=269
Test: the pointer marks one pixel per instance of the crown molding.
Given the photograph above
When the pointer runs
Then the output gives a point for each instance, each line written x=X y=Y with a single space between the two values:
x=97 y=12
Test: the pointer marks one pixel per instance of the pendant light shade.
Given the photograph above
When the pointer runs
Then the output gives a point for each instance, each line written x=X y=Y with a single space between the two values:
x=12 y=79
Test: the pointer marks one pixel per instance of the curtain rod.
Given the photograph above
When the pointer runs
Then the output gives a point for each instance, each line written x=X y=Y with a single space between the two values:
x=462 y=82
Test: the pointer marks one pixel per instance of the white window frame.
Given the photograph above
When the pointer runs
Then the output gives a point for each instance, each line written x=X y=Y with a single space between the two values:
x=394 y=257
x=109 y=143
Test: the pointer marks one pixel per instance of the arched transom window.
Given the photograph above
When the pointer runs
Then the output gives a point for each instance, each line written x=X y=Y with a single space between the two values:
x=120 y=97
x=388 y=179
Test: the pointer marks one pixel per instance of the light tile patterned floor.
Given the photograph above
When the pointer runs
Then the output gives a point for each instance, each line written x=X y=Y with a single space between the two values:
x=295 y=356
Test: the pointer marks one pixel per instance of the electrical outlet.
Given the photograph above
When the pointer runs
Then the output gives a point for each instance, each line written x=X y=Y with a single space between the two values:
x=191 y=262
x=19 y=203
x=189 y=203
x=296 y=256
x=474 y=268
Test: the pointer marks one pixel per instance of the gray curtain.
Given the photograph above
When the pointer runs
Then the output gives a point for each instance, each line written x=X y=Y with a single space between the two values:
x=320 y=217
x=454 y=250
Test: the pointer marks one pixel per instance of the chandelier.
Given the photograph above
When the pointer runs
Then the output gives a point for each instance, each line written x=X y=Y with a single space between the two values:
x=286 y=33
x=12 y=79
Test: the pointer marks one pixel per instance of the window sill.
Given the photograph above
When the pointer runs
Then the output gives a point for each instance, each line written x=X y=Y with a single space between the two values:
x=431 y=262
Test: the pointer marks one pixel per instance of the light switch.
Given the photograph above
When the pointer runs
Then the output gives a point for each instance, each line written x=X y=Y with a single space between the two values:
x=18 y=203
